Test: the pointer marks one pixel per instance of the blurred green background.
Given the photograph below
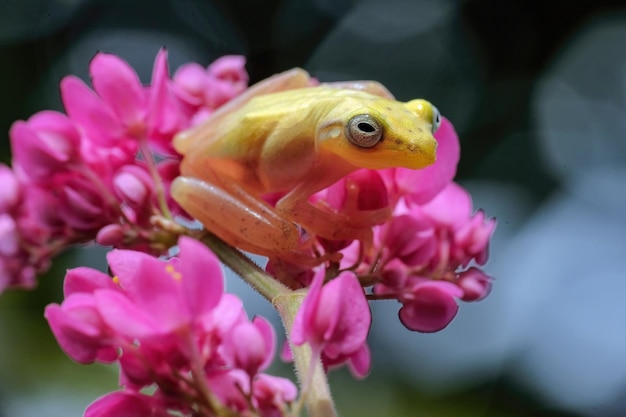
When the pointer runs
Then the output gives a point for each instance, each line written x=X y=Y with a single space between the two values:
x=537 y=92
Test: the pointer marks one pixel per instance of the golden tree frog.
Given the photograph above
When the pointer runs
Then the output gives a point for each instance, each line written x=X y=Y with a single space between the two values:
x=283 y=135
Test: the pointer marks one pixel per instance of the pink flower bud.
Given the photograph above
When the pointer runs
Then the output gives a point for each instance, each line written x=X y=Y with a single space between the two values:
x=229 y=68
x=126 y=404
x=475 y=284
x=82 y=205
x=118 y=85
x=9 y=236
x=133 y=185
x=271 y=393
x=80 y=329
x=10 y=195
x=430 y=306
x=331 y=326
x=110 y=235
x=44 y=145
x=189 y=83
x=250 y=346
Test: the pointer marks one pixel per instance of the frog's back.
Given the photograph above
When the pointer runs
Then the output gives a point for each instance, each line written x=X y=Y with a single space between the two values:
x=300 y=100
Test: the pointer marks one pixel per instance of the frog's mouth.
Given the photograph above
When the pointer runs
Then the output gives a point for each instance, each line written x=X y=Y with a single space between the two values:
x=390 y=153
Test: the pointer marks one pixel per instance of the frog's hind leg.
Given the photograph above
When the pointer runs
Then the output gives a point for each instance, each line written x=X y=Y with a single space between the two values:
x=242 y=220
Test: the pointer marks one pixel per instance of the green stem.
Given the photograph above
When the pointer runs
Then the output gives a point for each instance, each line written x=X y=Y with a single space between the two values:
x=313 y=382
x=258 y=279
x=316 y=391
x=158 y=182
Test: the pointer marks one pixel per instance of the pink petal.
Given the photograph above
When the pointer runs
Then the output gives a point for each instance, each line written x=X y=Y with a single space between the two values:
x=475 y=284
x=126 y=404
x=189 y=83
x=432 y=307
x=203 y=281
x=269 y=340
x=360 y=362
x=228 y=313
x=58 y=131
x=125 y=317
x=86 y=280
x=119 y=86
x=353 y=318
x=274 y=390
x=166 y=117
x=132 y=184
x=251 y=345
x=78 y=327
x=35 y=157
x=303 y=329
x=11 y=194
x=420 y=186
x=125 y=264
x=156 y=288
x=9 y=236
x=451 y=207
x=85 y=108
x=110 y=235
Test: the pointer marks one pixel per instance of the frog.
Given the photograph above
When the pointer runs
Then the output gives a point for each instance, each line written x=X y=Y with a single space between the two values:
x=287 y=136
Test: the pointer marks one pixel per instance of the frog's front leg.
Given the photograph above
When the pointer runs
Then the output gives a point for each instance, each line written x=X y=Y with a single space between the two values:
x=324 y=223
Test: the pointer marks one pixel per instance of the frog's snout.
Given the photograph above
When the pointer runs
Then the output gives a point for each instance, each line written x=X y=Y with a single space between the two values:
x=421 y=153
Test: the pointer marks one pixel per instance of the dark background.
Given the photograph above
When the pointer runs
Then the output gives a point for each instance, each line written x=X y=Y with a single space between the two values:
x=491 y=67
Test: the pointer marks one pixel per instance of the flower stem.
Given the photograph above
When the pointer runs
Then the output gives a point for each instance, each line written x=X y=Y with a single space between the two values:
x=263 y=283
x=316 y=392
x=154 y=172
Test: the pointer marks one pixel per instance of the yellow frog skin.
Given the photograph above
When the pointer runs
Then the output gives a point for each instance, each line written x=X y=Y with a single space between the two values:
x=284 y=136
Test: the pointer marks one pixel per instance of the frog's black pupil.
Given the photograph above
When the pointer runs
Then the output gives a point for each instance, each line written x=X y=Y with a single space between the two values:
x=366 y=127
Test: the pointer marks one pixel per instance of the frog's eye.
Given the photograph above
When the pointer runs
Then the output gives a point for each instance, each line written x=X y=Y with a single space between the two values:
x=436 y=119
x=364 y=131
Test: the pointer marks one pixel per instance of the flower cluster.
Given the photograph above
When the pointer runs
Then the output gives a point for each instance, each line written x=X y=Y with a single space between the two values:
x=171 y=327
x=427 y=244
x=103 y=169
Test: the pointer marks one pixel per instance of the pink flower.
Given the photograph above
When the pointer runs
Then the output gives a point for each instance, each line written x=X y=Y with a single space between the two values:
x=420 y=186
x=162 y=297
x=204 y=90
x=77 y=324
x=333 y=327
x=9 y=237
x=121 y=109
x=272 y=393
x=451 y=212
x=430 y=305
x=90 y=175
x=10 y=196
x=133 y=185
x=126 y=404
x=44 y=145
x=475 y=284
x=169 y=324
x=250 y=346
